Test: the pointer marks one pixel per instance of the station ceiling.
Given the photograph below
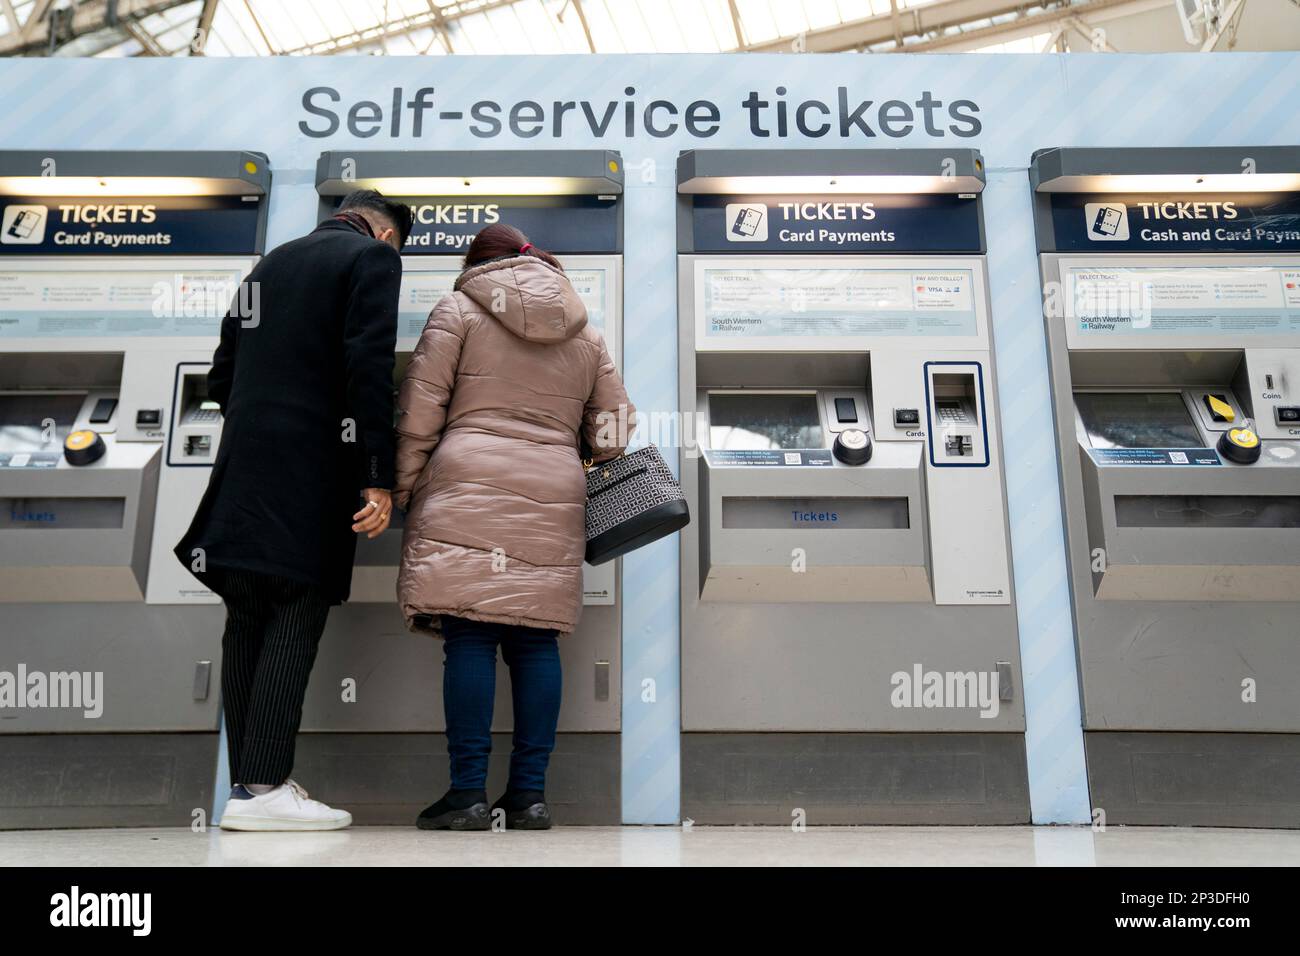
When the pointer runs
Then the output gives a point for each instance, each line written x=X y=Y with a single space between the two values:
x=447 y=27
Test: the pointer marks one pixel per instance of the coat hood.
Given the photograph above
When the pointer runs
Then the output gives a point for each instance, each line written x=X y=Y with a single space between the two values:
x=533 y=300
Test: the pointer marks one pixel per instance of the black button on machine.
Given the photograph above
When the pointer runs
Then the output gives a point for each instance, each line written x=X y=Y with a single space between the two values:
x=846 y=410
x=852 y=446
x=907 y=417
x=148 y=418
x=1288 y=414
x=103 y=411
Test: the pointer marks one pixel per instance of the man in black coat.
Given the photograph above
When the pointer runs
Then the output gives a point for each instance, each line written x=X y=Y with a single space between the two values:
x=305 y=384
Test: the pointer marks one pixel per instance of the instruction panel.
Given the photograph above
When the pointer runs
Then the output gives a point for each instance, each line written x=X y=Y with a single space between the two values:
x=1203 y=300
x=833 y=302
x=39 y=303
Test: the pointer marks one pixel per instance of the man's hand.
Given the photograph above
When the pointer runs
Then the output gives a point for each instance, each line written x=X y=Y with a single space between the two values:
x=372 y=520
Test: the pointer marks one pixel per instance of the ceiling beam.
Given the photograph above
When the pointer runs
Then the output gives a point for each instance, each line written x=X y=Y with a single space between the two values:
x=36 y=16
x=582 y=19
x=8 y=8
x=1226 y=24
x=408 y=24
x=736 y=25
x=203 y=27
x=440 y=31
x=257 y=24
x=89 y=17
x=1068 y=18
x=149 y=44
x=937 y=24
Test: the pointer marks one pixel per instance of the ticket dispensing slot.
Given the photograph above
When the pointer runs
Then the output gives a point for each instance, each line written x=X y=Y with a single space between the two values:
x=74 y=525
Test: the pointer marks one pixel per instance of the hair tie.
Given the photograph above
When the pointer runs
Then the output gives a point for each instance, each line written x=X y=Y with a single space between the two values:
x=525 y=247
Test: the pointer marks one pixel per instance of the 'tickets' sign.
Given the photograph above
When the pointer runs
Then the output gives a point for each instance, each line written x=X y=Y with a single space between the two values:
x=890 y=223
x=446 y=225
x=80 y=225
x=1202 y=222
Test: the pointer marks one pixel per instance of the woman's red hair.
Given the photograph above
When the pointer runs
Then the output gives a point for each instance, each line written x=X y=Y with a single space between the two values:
x=500 y=241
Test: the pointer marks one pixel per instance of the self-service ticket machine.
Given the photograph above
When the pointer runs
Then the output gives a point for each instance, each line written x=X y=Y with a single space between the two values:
x=1172 y=307
x=849 y=641
x=116 y=269
x=373 y=718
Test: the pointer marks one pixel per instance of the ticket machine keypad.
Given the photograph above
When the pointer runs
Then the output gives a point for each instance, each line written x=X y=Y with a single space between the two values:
x=203 y=416
x=952 y=414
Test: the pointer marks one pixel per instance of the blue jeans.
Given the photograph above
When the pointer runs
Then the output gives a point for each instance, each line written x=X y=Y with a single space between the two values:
x=469 y=689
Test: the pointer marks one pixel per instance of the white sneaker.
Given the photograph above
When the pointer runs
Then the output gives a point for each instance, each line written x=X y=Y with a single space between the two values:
x=287 y=807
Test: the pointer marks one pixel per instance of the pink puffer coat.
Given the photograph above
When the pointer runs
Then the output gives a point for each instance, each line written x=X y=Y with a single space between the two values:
x=507 y=388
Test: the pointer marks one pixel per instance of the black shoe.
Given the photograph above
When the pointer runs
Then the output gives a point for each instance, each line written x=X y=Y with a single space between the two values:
x=524 y=810
x=457 y=810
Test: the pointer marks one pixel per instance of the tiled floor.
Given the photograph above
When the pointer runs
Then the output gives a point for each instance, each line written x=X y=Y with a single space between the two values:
x=661 y=846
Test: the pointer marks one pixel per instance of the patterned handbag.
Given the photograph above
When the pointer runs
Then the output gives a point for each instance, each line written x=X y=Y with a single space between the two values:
x=631 y=501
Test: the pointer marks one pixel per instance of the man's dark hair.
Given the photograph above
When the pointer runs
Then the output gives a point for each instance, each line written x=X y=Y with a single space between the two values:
x=398 y=213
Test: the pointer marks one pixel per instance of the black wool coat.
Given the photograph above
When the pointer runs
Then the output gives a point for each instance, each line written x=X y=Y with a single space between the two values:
x=306 y=390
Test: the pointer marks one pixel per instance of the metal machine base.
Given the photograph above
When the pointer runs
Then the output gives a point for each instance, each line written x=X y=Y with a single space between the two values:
x=387 y=779
x=50 y=781
x=854 y=778
x=1195 y=779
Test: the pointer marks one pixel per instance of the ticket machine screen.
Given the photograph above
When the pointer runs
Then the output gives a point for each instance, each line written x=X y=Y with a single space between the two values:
x=764 y=421
x=24 y=421
x=1137 y=420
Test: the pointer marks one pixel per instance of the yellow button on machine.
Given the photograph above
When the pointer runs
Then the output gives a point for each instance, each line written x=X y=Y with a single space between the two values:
x=83 y=447
x=1240 y=444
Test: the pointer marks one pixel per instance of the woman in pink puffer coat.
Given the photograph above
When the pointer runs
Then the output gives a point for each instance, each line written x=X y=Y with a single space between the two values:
x=508 y=389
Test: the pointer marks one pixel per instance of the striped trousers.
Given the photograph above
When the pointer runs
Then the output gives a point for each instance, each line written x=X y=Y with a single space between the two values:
x=273 y=628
